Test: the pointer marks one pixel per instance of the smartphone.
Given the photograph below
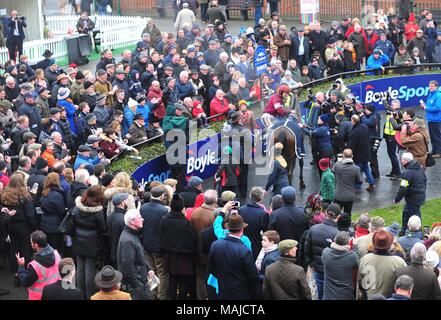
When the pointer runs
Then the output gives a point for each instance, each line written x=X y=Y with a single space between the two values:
x=237 y=204
x=35 y=186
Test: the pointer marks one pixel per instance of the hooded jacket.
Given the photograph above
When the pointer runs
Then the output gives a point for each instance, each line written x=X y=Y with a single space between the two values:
x=76 y=190
x=89 y=226
x=46 y=257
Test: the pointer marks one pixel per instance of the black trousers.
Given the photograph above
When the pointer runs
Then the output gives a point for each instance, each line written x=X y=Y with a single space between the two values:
x=243 y=180
x=182 y=287
x=373 y=161
x=179 y=172
x=345 y=205
x=15 y=44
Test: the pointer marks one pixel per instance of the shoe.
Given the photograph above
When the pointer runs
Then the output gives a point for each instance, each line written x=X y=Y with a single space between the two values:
x=3 y=292
x=436 y=155
x=371 y=187
x=395 y=177
x=390 y=174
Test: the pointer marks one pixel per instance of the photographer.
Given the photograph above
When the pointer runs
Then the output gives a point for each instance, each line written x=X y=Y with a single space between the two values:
x=15 y=35
x=315 y=110
x=391 y=125
x=369 y=117
x=415 y=139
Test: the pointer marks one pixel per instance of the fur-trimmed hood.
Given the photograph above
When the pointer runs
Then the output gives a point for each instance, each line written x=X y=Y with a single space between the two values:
x=109 y=193
x=85 y=209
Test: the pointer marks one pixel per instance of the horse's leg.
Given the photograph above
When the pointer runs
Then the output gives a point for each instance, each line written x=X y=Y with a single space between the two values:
x=302 y=183
x=290 y=170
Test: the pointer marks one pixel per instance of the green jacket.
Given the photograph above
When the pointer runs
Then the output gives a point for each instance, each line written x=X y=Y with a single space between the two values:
x=327 y=185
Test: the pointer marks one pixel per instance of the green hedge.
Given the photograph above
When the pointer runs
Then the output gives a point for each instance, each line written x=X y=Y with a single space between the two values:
x=154 y=150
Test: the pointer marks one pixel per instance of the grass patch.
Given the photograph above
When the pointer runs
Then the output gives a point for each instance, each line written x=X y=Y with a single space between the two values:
x=430 y=212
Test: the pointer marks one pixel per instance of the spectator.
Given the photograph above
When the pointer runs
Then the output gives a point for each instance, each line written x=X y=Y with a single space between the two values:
x=108 y=280
x=403 y=288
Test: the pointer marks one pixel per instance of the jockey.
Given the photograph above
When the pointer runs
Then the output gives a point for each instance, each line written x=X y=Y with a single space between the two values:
x=275 y=106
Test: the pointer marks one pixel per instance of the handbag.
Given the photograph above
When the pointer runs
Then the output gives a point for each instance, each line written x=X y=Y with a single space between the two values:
x=67 y=225
x=430 y=161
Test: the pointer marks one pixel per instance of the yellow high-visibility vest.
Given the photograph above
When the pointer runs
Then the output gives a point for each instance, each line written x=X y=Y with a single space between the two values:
x=388 y=128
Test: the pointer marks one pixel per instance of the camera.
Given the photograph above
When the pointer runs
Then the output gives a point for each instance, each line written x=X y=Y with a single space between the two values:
x=334 y=86
x=376 y=144
x=310 y=94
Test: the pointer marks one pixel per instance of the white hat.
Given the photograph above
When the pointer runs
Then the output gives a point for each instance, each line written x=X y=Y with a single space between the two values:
x=63 y=93
x=185 y=5
x=432 y=259
x=249 y=30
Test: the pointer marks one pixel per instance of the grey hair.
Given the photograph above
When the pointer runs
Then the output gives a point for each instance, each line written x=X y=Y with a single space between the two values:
x=210 y=197
x=396 y=101
x=418 y=253
x=257 y=194
x=414 y=223
x=223 y=54
x=82 y=176
x=407 y=156
x=130 y=216
x=10 y=79
x=342 y=238
x=404 y=282
x=54 y=134
x=183 y=73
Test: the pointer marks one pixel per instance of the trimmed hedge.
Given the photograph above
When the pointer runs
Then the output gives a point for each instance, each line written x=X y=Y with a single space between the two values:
x=156 y=149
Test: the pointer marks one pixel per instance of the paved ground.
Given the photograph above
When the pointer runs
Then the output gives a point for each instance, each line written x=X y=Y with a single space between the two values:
x=365 y=201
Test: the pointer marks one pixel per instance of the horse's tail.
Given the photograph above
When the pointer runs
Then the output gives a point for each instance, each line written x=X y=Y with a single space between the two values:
x=282 y=137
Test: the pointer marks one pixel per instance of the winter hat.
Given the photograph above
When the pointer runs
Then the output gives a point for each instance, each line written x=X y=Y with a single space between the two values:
x=195 y=181
x=177 y=203
x=249 y=31
x=54 y=111
x=41 y=163
x=140 y=98
x=119 y=198
x=288 y=194
x=377 y=51
x=377 y=222
x=394 y=229
x=333 y=209
x=370 y=107
x=412 y=17
x=92 y=139
x=87 y=84
x=190 y=48
x=228 y=196
x=344 y=222
x=325 y=118
x=90 y=117
x=63 y=93
x=169 y=79
x=261 y=21
x=80 y=75
x=228 y=35
x=286 y=245
x=100 y=98
x=324 y=164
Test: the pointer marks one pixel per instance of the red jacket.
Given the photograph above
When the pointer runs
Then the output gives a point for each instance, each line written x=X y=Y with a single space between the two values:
x=217 y=107
x=351 y=31
x=159 y=109
x=370 y=43
x=4 y=179
x=410 y=34
x=109 y=147
x=275 y=106
x=197 y=111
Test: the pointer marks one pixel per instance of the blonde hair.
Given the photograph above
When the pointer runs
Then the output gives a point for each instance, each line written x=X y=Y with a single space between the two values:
x=168 y=195
x=436 y=247
x=122 y=180
x=356 y=21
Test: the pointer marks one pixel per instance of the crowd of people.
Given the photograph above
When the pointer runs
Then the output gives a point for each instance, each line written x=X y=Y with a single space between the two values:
x=176 y=240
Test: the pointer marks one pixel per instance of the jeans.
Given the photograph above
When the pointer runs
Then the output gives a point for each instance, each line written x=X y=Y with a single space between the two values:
x=435 y=136
x=204 y=8
x=319 y=279
x=364 y=167
x=392 y=153
x=86 y=275
x=257 y=14
x=102 y=10
x=156 y=263
x=408 y=211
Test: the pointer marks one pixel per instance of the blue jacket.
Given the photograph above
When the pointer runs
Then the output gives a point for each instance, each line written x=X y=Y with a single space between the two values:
x=387 y=47
x=373 y=63
x=64 y=185
x=278 y=178
x=185 y=90
x=268 y=259
x=257 y=219
x=152 y=214
x=54 y=210
x=409 y=240
x=322 y=137
x=71 y=115
x=86 y=160
x=103 y=115
x=289 y=221
x=433 y=106
x=145 y=111
x=128 y=120
x=232 y=263
x=373 y=123
x=413 y=184
x=212 y=57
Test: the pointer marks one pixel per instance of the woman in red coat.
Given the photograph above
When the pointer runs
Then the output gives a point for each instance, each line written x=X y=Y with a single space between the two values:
x=108 y=143
x=411 y=28
x=219 y=105
x=155 y=92
x=370 y=38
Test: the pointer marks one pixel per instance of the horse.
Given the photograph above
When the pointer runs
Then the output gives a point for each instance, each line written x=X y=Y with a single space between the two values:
x=288 y=133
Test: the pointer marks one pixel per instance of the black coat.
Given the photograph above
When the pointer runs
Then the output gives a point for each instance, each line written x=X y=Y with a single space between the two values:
x=24 y=216
x=289 y=221
x=318 y=41
x=56 y=291
x=415 y=191
x=426 y=285
x=152 y=213
x=189 y=195
x=76 y=190
x=115 y=226
x=257 y=220
x=130 y=257
x=54 y=210
x=359 y=142
x=178 y=241
x=89 y=226
x=295 y=45
x=232 y=264
x=319 y=237
x=37 y=177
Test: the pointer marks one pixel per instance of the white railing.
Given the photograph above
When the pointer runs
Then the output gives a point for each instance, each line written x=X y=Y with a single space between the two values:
x=121 y=36
x=34 y=49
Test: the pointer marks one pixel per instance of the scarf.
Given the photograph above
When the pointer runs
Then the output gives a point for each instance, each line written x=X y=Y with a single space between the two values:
x=262 y=254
